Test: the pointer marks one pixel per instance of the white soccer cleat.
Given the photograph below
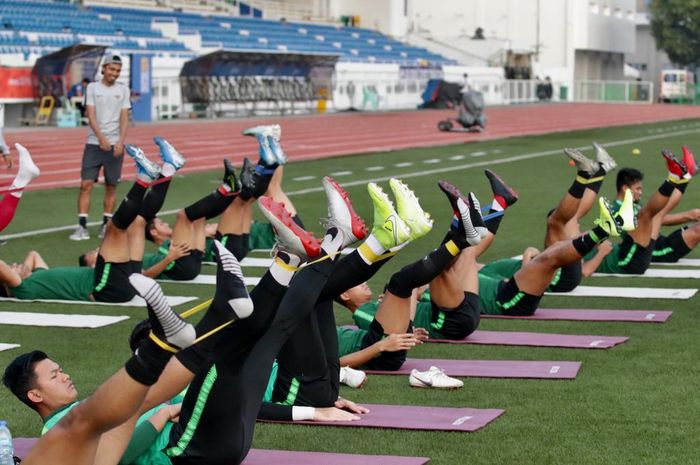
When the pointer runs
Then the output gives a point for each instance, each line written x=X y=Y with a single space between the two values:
x=433 y=378
x=352 y=378
x=341 y=213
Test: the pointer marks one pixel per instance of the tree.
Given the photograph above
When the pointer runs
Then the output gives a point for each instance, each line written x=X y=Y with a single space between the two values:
x=675 y=25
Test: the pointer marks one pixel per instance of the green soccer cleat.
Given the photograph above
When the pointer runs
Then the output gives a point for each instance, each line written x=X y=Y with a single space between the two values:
x=389 y=229
x=410 y=211
x=625 y=217
x=606 y=219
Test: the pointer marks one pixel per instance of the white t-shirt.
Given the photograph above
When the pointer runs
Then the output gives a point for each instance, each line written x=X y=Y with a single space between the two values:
x=108 y=101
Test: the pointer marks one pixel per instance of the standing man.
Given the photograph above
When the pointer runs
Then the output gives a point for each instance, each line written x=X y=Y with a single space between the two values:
x=78 y=90
x=107 y=105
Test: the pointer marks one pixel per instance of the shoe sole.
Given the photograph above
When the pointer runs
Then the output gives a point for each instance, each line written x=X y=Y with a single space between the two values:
x=497 y=184
x=453 y=194
x=276 y=210
x=425 y=386
x=581 y=161
x=689 y=161
x=178 y=160
x=419 y=227
x=358 y=226
x=674 y=164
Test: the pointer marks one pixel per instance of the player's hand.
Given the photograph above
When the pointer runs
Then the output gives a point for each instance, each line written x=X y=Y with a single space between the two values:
x=118 y=149
x=105 y=145
x=173 y=411
x=421 y=334
x=22 y=270
x=350 y=405
x=333 y=414
x=396 y=342
x=694 y=214
x=605 y=247
x=178 y=251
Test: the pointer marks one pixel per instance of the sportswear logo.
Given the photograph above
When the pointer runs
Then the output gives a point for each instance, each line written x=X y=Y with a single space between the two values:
x=462 y=420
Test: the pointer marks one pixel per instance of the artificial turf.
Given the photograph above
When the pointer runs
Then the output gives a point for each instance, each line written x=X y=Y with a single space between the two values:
x=634 y=403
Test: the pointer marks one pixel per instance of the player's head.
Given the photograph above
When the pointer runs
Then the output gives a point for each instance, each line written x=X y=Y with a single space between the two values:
x=112 y=68
x=39 y=382
x=630 y=178
x=355 y=296
x=158 y=230
x=88 y=259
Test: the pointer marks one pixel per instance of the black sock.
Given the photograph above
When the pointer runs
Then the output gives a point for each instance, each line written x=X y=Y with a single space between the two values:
x=421 y=272
x=130 y=206
x=154 y=199
x=210 y=206
x=106 y=218
x=667 y=188
x=587 y=242
x=234 y=243
x=596 y=181
x=298 y=221
x=146 y=365
x=82 y=220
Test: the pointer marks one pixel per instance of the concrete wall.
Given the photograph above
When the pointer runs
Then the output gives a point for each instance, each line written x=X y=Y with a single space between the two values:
x=386 y=16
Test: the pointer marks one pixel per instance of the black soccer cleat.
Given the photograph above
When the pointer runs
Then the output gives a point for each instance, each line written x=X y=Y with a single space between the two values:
x=501 y=189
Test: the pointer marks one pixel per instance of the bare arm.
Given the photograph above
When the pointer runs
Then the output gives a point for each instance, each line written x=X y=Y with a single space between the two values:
x=673 y=219
x=589 y=266
x=174 y=252
x=391 y=343
x=9 y=276
x=123 y=127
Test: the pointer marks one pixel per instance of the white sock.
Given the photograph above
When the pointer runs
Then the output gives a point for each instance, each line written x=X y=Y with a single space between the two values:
x=167 y=170
x=374 y=246
x=332 y=242
x=283 y=271
x=27 y=170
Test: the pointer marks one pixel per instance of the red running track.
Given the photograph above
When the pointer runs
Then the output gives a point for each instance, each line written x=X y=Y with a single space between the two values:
x=58 y=152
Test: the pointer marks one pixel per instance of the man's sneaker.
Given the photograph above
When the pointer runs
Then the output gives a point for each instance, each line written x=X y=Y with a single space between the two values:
x=606 y=220
x=433 y=378
x=274 y=141
x=463 y=210
x=625 y=217
x=501 y=189
x=230 y=178
x=409 y=210
x=290 y=236
x=602 y=156
x=582 y=163
x=352 y=378
x=229 y=281
x=676 y=168
x=168 y=153
x=475 y=216
x=341 y=214
x=263 y=134
x=144 y=166
x=80 y=234
x=388 y=227
x=103 y=231
x=689 y=161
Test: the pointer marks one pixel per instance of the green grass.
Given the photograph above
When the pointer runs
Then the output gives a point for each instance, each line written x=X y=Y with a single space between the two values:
x=635 y=403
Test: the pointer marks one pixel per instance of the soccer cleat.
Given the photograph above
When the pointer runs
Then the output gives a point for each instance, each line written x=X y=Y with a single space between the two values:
x=274 y=142
x=689 y=161
x=433 y=378
x=501 y=189
x=603 y=158
x=676 y=168
x=409 y=210
x=388 y=227
x=352 y=378
x=625 y=218
x=290 y=236
x=80 y=234
x=453 y=194
x=263 y=134
x=341 y=214
x=230 y=178
x=27 y=170
x=249 y=180
x=144 y=166
x=582 y=163
x=170 y=331
x=464 y=209
x=475 y=216
x=606 y=219
x=229 y=280
x=168 y=153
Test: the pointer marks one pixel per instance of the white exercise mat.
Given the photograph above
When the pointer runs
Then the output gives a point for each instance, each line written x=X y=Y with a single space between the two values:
x=657 y=273
x=210 y=279
x=137 y=301
x=628 y=292
x=58 y=319
x=681 y=262
x=7 y=346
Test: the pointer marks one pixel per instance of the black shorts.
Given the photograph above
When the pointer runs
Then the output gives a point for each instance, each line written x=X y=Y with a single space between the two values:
x=388 y=361
x=671 y=248
x=459 y=322
x=187 y=267
x=570 y=276
x=95 y=158
x=112 y=281
x=514 y=302
x=633 y=258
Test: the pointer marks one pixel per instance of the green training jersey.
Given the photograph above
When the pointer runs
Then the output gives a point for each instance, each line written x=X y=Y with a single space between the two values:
x=349 y=340
x=63 y=283
x=488 y=292
x=504 y=268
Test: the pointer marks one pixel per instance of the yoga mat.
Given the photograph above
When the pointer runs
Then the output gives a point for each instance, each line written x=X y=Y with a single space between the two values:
x=417 y=418
x=490 y=368
x=629 y=292
x=657 y=273
x=137 y=301
x=210 y=279
x=514 y=338
x=4 y=346
x=58 y=320
x=681 y=262
x=572 y=314
x=267 y=457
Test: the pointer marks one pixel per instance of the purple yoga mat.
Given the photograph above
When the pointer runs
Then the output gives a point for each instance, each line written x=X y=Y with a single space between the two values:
x=514 y=338
x=637 y=316
x=282 y=457
x=491 y=368
x=418 y=418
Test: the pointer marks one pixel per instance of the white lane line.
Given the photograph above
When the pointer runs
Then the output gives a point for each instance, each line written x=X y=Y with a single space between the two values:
x=432 y=161
x=341 y=173
x=303 y=178
x=478 y=154
x=404 y=164
x=374 y=168
x=456 y=157
x=417 y=174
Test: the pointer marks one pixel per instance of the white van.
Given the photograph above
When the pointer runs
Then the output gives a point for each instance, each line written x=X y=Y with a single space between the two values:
x=676 y=84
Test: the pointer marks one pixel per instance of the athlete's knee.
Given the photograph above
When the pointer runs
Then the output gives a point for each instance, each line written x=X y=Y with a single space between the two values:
x=86 y=187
